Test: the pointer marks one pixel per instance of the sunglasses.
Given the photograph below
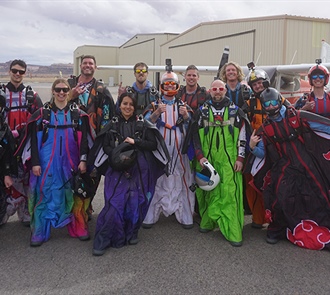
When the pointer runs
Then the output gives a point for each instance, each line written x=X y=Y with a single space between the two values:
x=169 y=83
x=58 y=89
x=141 y=71
x=216 y=88
x=15 y=71
x=314 y=77
x=272 y=102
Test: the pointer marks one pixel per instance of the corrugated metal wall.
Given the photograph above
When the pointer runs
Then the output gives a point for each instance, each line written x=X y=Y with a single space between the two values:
x=266 y=41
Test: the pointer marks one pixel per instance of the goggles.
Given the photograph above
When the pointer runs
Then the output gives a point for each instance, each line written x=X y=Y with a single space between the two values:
x=314 y=77
x=218 y=88
x=272 y=102
x=15 y=71
x=169 y=83
x=141 y=71
x=58 y=89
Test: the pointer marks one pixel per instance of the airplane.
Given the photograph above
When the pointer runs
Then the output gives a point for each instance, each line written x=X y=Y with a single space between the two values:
x=290 y=80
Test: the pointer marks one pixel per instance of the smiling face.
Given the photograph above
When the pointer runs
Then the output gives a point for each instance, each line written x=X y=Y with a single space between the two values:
x=88 y=67
x=318 y=80
x=231 y=73
x=127 y=107
x=17 y=74
x=61 y=94
x=218 y=90
x=257 y=86
x=191 y=77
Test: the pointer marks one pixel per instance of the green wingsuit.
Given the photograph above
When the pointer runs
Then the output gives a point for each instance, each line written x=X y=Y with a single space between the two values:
x=219 y=142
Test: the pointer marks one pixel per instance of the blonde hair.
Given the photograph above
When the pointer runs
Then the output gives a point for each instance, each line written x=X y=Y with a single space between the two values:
x=240 y=74
x=58 y=81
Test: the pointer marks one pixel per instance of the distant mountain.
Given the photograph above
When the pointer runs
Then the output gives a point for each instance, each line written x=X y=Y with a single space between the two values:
x=36 y=70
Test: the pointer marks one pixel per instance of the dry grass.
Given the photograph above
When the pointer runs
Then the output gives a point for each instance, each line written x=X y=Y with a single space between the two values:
x=36 y=79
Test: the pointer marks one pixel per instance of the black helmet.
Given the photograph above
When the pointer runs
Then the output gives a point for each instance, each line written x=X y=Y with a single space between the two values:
x=123 y=156
x=270 y=96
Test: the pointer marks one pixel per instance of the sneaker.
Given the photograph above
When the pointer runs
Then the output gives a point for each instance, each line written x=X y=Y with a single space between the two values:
x=256 y=225
x=204 y=230
x=35 y=243
x=98 y=252
x=147 y=225
x=236 y=244
x=187 y=226
x=84 y=238
x=26 y=223
x=271 y=240
x=133 y=241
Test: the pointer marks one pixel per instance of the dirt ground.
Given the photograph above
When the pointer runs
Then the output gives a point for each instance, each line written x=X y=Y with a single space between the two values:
x=27 y=79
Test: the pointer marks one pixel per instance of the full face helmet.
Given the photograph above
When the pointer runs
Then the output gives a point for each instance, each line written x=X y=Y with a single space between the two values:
x=208 y=178
x=256 y=75
x=169 y=78
x=123 y=156
x=318 y=69
x=270 y=96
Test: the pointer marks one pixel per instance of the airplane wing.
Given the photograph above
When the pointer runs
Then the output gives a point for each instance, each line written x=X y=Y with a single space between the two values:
x=298 y=69
x=290 y=80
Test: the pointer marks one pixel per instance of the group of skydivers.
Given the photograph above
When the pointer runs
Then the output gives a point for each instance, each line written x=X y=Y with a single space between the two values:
x=160 y=151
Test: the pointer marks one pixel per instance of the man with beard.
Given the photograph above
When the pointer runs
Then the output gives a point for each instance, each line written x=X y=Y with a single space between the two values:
x=219 y=131
x=172 y=193
x=142 y=88
x=93 y=97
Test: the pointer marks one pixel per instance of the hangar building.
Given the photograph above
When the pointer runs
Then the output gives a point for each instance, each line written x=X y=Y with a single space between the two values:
x=271 y=40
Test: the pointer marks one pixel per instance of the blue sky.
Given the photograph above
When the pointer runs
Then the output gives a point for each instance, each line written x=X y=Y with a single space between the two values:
x=47 y=32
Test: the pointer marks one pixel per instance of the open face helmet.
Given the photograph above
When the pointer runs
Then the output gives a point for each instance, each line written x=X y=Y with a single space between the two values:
x=270 y=96
x=256 y=75
x=169 y=78
x=318 y=70
x=208 y=178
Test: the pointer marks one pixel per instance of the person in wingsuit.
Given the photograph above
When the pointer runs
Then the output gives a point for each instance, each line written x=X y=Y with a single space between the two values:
x=59 y=135
x=318 y=100
x=93 y=97
x=291 y=165
x=219 y=136
x=172 y=117
x=7 y=160
x=131 y=172
x=21 y=102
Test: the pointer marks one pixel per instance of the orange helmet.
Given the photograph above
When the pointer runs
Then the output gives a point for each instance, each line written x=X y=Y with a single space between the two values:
x=318 y=69
x=169 y=77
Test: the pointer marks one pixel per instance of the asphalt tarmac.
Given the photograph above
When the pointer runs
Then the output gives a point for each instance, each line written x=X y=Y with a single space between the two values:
x=167 y=260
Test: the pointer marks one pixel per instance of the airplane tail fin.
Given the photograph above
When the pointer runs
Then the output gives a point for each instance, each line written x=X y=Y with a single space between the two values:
x=325 y=52
x=224 y=60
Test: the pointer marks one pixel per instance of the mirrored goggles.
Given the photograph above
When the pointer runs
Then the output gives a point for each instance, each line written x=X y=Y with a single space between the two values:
x=314 y=77
x=272 y=102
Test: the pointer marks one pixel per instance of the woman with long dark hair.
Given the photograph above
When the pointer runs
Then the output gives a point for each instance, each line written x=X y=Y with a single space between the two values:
x=130 y=176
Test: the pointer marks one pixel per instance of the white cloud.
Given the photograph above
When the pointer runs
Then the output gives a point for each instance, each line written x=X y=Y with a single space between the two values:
x=45 y=32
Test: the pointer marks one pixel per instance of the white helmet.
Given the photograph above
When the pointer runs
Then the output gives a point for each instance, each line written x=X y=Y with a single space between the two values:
x=208 y=178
